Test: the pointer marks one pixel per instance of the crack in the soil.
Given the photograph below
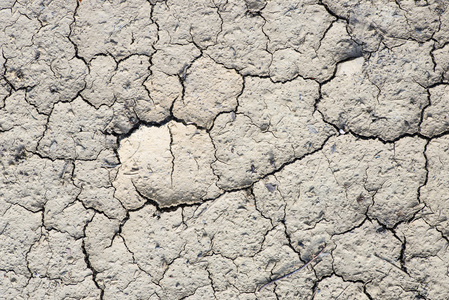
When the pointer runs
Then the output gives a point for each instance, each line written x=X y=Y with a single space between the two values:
x=88 y=262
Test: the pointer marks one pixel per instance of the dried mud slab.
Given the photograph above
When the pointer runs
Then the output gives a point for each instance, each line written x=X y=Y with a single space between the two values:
x=169 y=165
x=130 y=90
x=319 y=60
x=209 y=89
x=179 y=21
x=274 y=124
x=382 y=96
x=62 y=256
x=440 y=55
x=39 y=57
x=241 y=44
x=40 y=185
x=364 y=252
x=97 y=92
x=333 y=287
x=433 y=193
x=94 y=178
x=371 y=23
x=114 y=27
x=17 y=237
x=436 y=115
x=72 y=133
x=117 y=274
x=425 y=259
x=21 y=125
x=305 y=40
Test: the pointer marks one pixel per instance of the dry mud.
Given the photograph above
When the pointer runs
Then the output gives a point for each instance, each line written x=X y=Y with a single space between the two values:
x=197 y=149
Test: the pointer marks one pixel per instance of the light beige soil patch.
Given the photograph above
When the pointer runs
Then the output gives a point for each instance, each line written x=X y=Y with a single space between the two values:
x=169 y=165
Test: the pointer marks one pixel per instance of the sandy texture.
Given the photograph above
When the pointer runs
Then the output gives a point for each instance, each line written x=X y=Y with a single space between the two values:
x=203 y=149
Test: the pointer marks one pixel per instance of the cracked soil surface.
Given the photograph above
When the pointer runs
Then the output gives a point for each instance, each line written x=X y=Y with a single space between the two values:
x=198 y=149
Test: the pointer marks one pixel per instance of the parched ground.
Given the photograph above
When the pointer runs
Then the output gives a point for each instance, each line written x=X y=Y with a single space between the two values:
x=199 y=149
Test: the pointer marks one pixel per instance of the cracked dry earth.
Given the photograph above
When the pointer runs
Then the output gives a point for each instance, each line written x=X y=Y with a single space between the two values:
x=197 y=149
